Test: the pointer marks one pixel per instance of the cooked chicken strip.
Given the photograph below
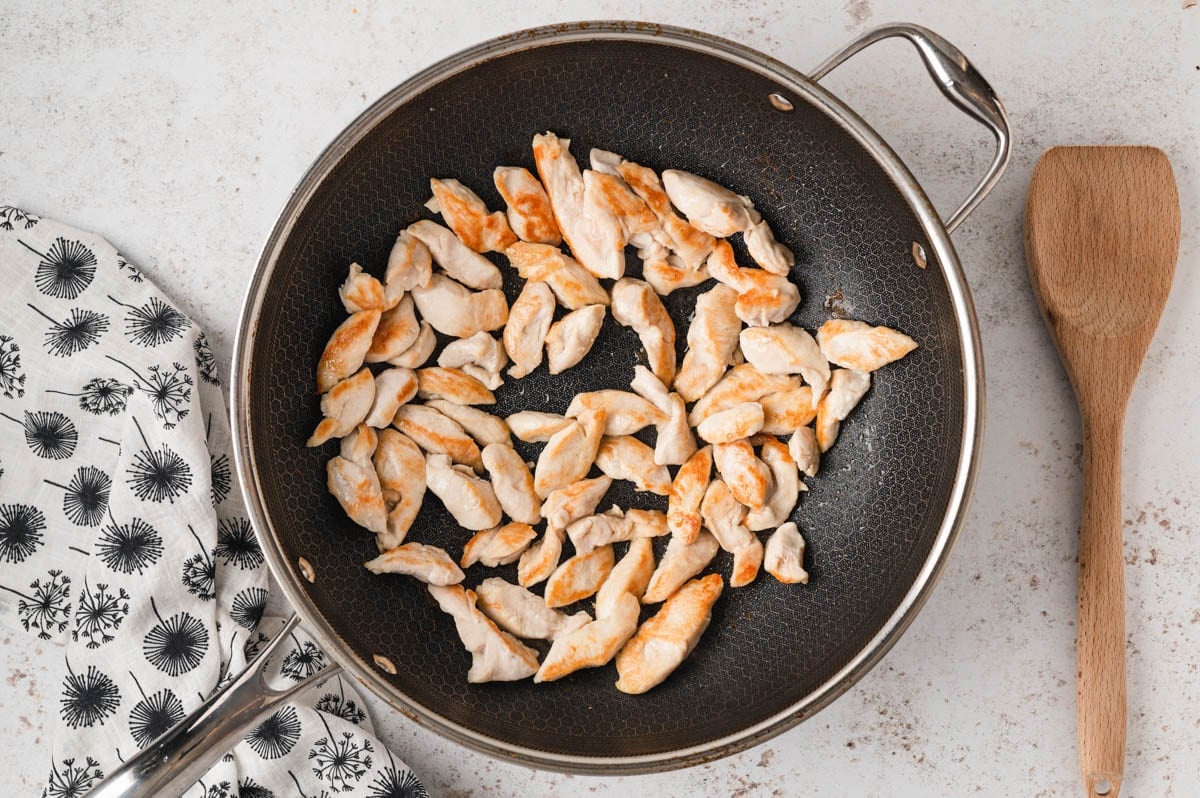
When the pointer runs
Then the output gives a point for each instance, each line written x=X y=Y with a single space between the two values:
x=786 y=411
x=805 y=451
x=417 y=354
x=691 y=244
x=346 y=349
x=635 y=305
x=393 y=387
x=625 y=457
x=615 y=526
x=670 y=274
x=541 y=559
x=469 y=499
x=593 y=645
x=468 y=217
x=579 y=577
x=859 y=346
x=496 y=656
x=513 y=483
x=529 y=321
x=604 y=161
x=455 y=310
x=574 y=501
x=740 y=384
x=651 y=388
x=665 y=641
x=763 y=298
x=344 y=407
x=429 y=564
x=593 y=234
x=574 y=285
x=438 y=434
x=625 y=412
x=746 y=475
x=686 y=493
x=456 y=259
x=362 y=291
x=785 y=487
x=397 y=331
x=766 y=251
x=630 y=575
x=400 y=466
x=453 y=385
x=525 y=614
x=569 y=453
x=529 y=212
x=533 y=426
x=480 y=350
x=359 y=445
x=846 y=388
x=711 y=339
x=483 y=427
x=571 y=337
x=724 y=516
x=733 y=424
x=498 y=546
x=784 y=556
x=356 y=487
x=675 y=443
x=605 y=193
x=785 y=349
x=709 y=207
x=680 y=562
x=409 y=265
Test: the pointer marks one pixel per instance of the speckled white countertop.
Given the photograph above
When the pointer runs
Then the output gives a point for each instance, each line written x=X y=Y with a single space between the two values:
x=177 y=131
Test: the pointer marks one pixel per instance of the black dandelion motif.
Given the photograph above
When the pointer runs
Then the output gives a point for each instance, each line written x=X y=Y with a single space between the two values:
x=126 y=548
x=101 y=396
x=154 y=715
x=47 y=610
x=222 y=479
x=100 y=612
x=200 y=572
x=48 y=433
x=249 y=788
x=12 y=381
x=237 y=544
x=88 y=698
x=21 y=527
x=339 y=760
x=206 y=362
x=254 y=645
x=158 y=475
x=248 y=607
x=10 y=216
x=82 y=329
x=66 y=269
x=277 y=735
x=153 y=323
x=68 y=780
x=124 y=265
x=393 y=782
x=219 y=790
x=344 y=708
x=176 y=645
x=168 y=389
x=86 y=496
x=302 y=661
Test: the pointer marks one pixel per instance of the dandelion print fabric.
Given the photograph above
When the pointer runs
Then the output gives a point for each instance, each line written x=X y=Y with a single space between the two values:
x=124 y=539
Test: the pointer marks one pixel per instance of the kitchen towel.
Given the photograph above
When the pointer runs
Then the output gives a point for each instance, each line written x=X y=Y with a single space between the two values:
x=123 y=536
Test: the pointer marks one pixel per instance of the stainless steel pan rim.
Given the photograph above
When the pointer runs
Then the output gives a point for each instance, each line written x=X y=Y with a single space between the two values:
x=964 y=316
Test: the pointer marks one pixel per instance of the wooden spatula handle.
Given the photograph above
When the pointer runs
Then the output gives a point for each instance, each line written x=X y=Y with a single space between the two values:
x=1101 y=648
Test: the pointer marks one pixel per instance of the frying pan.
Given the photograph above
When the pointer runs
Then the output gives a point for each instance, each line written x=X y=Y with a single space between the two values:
x=879 y=518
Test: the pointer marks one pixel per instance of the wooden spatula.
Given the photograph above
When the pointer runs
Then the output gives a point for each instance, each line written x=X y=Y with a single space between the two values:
x=1101 y=239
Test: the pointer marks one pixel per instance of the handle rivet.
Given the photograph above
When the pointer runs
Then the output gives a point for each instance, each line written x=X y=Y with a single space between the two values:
x=918 y=253
x=384 y=664
x=781 y=103
x=306 y=570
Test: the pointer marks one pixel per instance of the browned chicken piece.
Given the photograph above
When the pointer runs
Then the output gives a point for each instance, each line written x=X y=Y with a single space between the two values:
x=483 y=427
x=400 y=466
x=579 y=577
x=356 y=488
x=346 y=349
x=397 y=331
x=529 y=212
x=525 y=614
x=541 y=559
x=429 y=564
x=571 y=337
x=625 y=412
x=513 y=483
x=393 y=387
x=708 y=206
x=630 y=575
x=686 y=493
x=805 y=451
x=635 y=305
x=574 y=501
x=675 y=443
x=667 y=274
x=766 y=251
x=529 y=321
x=733 y=424
x=680 y=562
x=498 y=546
x=724 y=516
x=740 y=384
x=409 y=265
x=664 y=641
x=533 y=426
x=692 y=245
x=496 y=656
x=569 y=453
x=438 y=434
x=455 y=310
x=468 y=217
x=763 y=298
x=784 y=555
x=359 y=445
x=611 y=195
x=625 y=457
x=344 y=407
x=362 y=291
x=846 y=388
x=615 y=526
x=859 y=346
x=480 y=356
x=453 y=385
x=468 y=498
x=786 y=411
x=459 y=261
x=418 y=354
x=574 y=285
x=593 y=645
x=712 y=338
x=747 y=477
x=785 y=487
x=785 y=349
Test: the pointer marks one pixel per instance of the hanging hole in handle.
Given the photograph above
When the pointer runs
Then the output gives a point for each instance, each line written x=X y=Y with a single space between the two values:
x=306 y=570
x=919 y=257
x=781 y=103
x=1103 y=787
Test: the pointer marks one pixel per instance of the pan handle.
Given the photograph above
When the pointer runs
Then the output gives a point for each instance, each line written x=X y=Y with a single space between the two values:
x=173 y=762
x=958 y=81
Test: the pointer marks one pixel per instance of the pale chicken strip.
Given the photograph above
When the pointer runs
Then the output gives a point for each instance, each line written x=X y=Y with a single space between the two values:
x=346 y=349
x=637 y=306
x=534 y=426
x=805 y=451
x=593 y=234
x=574 y=501
x=785 y=487
x=784 y=555
x=740 y=384
x=786 y=349
x=359 y=445
x=766 y=251
x=625 y=412
x=468 y=217
x=859 y=346
x=469 y=499
x=429 y=564
x=664 y=641
x=691 y=244
x=512 y=483
x=496 y=656
x=574 y=286
x=675 y=443
x=708 y=206
x=615 y=526
x=748 y=477
x=525 y=614
x=763 y=298
x=344 y=407
x=625 y=457
x=356 y=487
x=571 y=337
x=393 y=387
x=667 y=274
x=362 y=291
x=604 y=161
x=686 y=493
x=593 y=645
x=680 y=562
x=712 y=338
x=541 y=559
x=483 y=427
x=481 y=355
x=579 y=577
x=457 y=259
x=846 y=388
x=733 y=424
x=455 y=310
x=786 y=411
x=397 y=331
x=529 y=212
x=488 y=379
x=529 y=321
x=724 y=516
x=569 y=453
x=409 y=265
x=651 y=388
x=453 y=385
x=498 y=546
x=630 y=575
x=438 y=434
x=418 y=354
x=400 y=466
